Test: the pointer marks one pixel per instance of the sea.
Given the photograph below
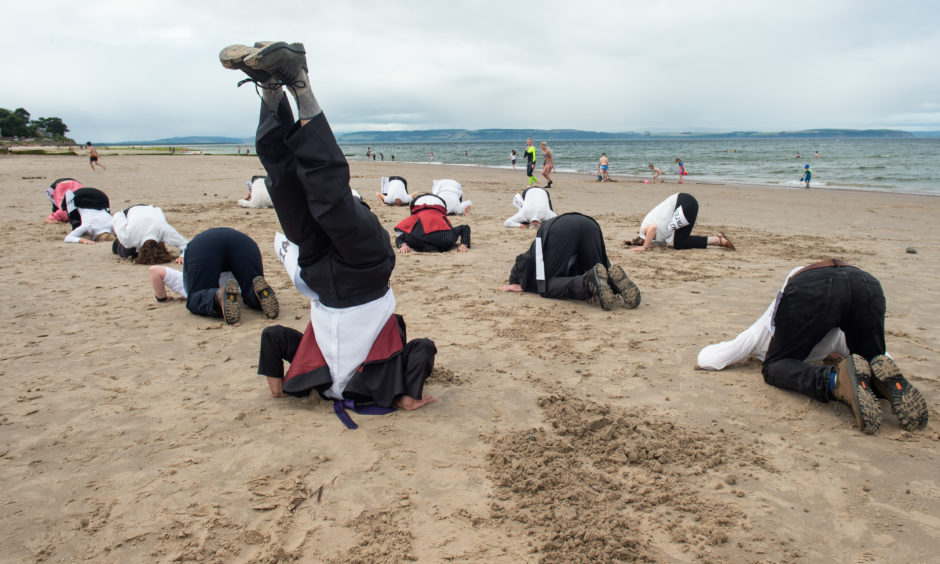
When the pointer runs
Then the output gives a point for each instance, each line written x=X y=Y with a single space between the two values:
x=908 y=165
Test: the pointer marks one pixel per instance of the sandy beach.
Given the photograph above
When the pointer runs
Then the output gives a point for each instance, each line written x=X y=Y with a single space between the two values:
x=134 y=431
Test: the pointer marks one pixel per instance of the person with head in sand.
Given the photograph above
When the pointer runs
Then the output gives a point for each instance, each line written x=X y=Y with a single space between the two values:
x=672 y=222
x=451 y=192
x=143 y=233
x=93 y=156
x=335 y=248
x=208 y=257
x=568 y=260
x=394 y=192
x=56 y=193
x=829 y=309
x=89 y=213
x=428 y=230
x=535 y=206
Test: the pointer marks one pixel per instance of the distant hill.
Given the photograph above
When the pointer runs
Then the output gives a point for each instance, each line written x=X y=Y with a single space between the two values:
x=477 y=135
x=191 y=140
x=927 y=134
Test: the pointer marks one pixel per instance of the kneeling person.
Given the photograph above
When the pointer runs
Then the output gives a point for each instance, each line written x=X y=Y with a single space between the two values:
x=89 y=213
x=394 y=192
x=535 y=206
x=427 y=229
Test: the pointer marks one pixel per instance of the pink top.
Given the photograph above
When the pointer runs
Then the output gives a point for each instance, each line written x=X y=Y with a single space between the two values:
x=57 y=195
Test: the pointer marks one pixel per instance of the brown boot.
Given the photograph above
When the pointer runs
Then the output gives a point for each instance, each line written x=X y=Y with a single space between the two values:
x=906 y=402
x=853 y=388
x=228 y=302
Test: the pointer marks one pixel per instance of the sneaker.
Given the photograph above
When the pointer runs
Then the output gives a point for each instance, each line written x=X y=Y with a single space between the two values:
x=228 y=299
x=265 y=294
x=622 y=285
x=597 y=287
x=233 y=57
x=906 y=402
x=853 y=388
x=281 y=60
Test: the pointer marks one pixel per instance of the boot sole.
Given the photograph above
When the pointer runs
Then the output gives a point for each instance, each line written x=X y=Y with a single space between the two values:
x=864 y=406
x=599 y=288
x=622 y=285
x=266 y=297
x=906 y=402
x=231 y=311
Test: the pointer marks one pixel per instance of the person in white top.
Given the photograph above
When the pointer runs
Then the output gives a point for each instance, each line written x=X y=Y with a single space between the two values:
x=89 y=215
x=452 y=193
x=671 y=222
x=257 y=194
x=143 y=227
x=535 y=206
x=394 y=192
x=335 y=250
x=827 y=310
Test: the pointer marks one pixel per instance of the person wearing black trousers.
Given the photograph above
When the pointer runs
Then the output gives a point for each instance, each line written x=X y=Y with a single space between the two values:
x=219 y=250
x=827 y=295
x=568 y=260
x=429 y=230
x=354 y=347
x=671 y=222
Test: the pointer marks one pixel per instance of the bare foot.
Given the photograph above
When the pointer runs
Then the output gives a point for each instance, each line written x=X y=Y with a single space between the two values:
x=276 y=387
x=467 y=211
x=511 y=288
x=381 y=198
x=409 y=403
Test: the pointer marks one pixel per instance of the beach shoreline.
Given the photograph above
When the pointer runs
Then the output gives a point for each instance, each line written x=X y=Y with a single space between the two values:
x=133 y=429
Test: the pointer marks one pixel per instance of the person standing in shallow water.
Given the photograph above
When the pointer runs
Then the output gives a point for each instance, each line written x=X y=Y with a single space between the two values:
x=549 y=160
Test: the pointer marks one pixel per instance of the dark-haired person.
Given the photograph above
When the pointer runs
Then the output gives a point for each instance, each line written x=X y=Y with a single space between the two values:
x=143 y=233
x=428 y=230
x=335 y=250
x=89 y=213
x=671 y=222
x=568 y=260
x=93 y=159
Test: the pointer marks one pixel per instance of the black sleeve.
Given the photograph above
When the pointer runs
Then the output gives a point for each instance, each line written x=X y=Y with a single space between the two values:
x=521 y=269
x=463 y=232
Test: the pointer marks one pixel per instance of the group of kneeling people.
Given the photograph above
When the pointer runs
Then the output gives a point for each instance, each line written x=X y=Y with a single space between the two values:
x=354 y=349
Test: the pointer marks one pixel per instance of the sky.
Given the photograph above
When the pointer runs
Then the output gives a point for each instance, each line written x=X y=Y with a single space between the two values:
x=123 y=71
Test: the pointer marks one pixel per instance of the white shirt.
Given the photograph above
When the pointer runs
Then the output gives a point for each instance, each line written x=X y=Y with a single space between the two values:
x=144 y=224
x=661 y=216
x=259 y=195
x=451 y=192
x=345 y=335
x=535 y=207
x=94 y=223
x=394 y=190
x=755 y=340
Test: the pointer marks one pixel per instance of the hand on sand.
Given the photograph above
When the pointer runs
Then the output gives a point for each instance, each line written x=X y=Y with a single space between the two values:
x=511 y=288
x=462 y=248
x=409 y=403
x=179 y=259
x=86 y=242
x=404 y=248
x=638 y=249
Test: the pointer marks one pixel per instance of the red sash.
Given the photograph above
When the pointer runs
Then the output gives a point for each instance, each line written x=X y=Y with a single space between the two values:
x=432 y=217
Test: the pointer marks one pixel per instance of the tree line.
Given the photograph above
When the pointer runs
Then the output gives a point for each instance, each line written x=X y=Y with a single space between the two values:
x=17 y=123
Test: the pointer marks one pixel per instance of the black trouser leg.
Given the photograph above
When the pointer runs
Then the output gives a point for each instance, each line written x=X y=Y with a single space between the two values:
x=278 y=343
x=683 y=238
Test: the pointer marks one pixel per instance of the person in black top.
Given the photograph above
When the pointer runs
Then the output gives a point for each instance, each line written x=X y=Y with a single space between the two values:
x=427 y=229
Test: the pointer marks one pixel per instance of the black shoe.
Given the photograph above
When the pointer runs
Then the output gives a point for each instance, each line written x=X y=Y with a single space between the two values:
x=233 y=57
x=622 y=285
x=281 y=60
x=906 y=402
x=597 y=287
x=549 y=185
x=853 y=388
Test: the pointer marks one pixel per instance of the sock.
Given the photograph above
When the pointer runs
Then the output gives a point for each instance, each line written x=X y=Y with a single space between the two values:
x=832 y=379
x=307 y=105
x=271 y=94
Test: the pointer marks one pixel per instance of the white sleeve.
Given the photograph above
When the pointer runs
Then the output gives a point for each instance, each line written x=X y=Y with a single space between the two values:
x=174 y=281
x=516 y=220
x=172 y=237
x=752 y=341
x=76 y=235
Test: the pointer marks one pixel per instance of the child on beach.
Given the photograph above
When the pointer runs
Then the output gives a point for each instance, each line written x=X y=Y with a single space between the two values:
x=682 y=171
x=807 y=175
x=512 y=159
x=93 y=156
x=657 y=172
x=602 y=166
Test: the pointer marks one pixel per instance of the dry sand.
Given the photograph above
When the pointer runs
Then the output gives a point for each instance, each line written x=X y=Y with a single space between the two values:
x=134 y=431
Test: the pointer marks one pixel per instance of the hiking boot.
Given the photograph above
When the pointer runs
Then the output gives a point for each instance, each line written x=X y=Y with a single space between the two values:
x=853 y=388
x=265 y=294
x=595 y=284
x=233 y=57
x=622 y=285
x=906 y=402
x=283 y=61
x=228 y=300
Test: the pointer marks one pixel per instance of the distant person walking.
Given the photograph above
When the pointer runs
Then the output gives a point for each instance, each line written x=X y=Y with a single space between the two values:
x=807 y=175
x=549 y=165
x=602 y=165
x=512 y=159
x=657 y=172
x=93 y=156
x=682 y=171
x=530 y=161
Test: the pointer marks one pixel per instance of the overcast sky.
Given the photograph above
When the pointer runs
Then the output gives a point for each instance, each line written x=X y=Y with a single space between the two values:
x=138 y=70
